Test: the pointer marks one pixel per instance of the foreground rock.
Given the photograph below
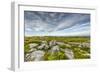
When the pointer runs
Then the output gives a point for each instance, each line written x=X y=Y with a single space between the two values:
x=32 y=45
x=55 y=49
x=43 y=47
x=32 y=49
x=37 y=55
x=27 y=57
x=69 y=53
x=52 y=43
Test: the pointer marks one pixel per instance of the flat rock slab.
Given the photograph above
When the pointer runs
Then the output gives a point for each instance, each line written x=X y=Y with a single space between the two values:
x=37 y=55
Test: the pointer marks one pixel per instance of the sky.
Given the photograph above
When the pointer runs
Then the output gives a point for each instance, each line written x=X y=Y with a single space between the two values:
x=38 y=23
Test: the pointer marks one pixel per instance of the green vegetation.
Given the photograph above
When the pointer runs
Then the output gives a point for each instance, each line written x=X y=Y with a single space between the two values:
x=38 y=39
x=26 y=49
x=56 y=56
x=80 y=54
x=80 y=46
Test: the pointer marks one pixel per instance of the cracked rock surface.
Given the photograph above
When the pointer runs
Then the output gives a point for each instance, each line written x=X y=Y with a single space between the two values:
x=54 y=50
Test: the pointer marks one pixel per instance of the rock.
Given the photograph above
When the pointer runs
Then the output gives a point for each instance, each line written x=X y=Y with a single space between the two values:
x=32 y=49
x=52 y=43
x=44 y=42
x=43 y=46
x=86 y=54
x=55 y=49
x=69 y=53
x=67 y=45
x=46 y=47
x=27 y=57
x=61 y=43
x=32 y=45
x=37 y=55
x=84 y=45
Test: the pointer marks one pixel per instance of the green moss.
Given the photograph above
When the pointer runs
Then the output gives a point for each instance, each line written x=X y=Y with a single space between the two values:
x=56 y=56
x=62 y=46
x=26 y=49
x=80 y=54
x=78 y=51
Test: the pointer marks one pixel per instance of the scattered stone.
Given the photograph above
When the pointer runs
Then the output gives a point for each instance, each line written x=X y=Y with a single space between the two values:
x=36 y=52
x=84 y=45
x=44 y=45
x=41 y=46
x=37 y=55
x=55 y=49
x=32 y=45
x=67 y=45
x=60 y=43
x=44 y=42
x=32 y=49
x=27 y=57
x=87 y=54
x=52 y=43
x=69 y=53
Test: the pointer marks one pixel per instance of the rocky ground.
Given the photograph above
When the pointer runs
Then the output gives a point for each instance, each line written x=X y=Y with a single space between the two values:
x=54 y=50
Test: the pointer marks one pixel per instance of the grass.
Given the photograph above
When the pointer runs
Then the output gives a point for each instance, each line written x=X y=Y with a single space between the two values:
x=78 y=51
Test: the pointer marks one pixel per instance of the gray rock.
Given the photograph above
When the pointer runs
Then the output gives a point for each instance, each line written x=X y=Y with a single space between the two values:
x=32 y=45
x=61 y=43
x=37 y=55
x=55 y=49
x=46 y=47
x=27 y=57
x=44 y=42
x=32 y=49
x=69 y=53
x=43 y=46
x=84 y=45
x=52 y=43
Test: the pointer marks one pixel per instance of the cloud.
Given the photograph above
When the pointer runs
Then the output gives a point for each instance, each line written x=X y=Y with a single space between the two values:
x=79 y=33
x=36 y=21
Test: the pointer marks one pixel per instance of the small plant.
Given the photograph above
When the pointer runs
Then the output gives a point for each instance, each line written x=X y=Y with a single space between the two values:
x=26 y=49
x=62 y=46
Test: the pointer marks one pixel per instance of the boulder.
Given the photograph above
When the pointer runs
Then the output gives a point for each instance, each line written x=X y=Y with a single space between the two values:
x=55 y=49
x=32 y=49
x=52 y=43
x=69 y=53
x=44 y=42
x=43 y=46
x=32 y=45
x=84 y=45
x=37 y=55
x=27 y=57
x=60 y=43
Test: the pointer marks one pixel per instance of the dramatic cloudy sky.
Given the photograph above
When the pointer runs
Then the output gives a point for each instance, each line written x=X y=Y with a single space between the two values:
x=56 y=24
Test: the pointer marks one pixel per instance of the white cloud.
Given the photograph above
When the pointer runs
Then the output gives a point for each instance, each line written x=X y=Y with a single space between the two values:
x=53 y=22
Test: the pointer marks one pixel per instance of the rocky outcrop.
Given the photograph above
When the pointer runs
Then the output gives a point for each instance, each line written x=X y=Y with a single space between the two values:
x=69 y=53
x=32 y=45
x=37 y=55
x=55 y=49
x=52 y=43
x=37 y=51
